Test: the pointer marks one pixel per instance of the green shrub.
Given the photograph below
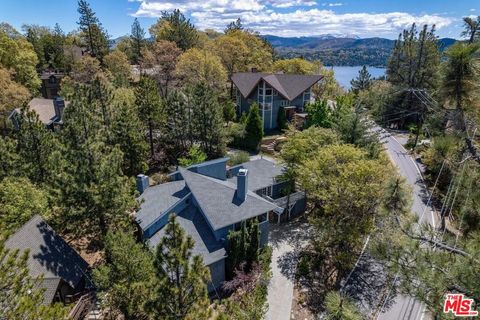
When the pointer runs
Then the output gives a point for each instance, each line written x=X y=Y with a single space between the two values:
x=238 y=158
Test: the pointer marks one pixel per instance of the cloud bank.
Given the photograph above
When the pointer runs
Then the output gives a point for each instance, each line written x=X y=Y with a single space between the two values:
x=290 y=17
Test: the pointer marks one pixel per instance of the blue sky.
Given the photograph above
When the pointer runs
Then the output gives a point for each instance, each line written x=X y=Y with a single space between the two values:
x=363 y=18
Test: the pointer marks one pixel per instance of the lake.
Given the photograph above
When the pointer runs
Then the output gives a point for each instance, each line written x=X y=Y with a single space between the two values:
x=345 y=74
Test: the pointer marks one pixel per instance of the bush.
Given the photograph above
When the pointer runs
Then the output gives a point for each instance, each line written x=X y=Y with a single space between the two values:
x=195 y=155
x=238 y=158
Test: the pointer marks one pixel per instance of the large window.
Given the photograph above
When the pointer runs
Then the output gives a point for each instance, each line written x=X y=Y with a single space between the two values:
x=267 y=191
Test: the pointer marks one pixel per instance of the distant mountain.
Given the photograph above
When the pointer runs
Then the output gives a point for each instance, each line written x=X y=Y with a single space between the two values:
x=339 y=50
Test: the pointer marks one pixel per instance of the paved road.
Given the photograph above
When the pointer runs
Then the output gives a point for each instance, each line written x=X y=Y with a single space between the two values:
x=405 y=307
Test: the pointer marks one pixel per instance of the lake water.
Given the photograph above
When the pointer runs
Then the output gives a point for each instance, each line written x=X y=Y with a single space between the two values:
x=345 y=74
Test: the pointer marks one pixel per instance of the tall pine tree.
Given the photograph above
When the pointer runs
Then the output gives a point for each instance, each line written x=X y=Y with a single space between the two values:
x=138 y=41
x=182 y=277
x=150 y=109
x=93 y=35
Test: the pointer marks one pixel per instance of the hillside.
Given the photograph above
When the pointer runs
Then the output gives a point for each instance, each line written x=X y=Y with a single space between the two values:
x=339 y=51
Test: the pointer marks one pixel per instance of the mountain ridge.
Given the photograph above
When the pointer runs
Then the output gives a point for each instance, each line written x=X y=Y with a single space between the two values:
x=340 y=50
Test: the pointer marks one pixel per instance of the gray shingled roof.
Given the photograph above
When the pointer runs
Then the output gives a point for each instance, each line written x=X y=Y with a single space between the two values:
x=219 y=202
x=289 y=86
x=155 y=200
x=192 y=221
x=261 y=173
x=49 y=255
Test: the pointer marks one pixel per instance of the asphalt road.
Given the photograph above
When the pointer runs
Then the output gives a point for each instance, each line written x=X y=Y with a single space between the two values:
x=405 y=307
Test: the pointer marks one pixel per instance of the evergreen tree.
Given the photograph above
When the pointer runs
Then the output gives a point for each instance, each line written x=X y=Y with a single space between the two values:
x=460 y=83
x=125 y=281
x=128 y=134
x=254 y=128
x=234 y=26
x=150 y=109
x=95 y=195
x=182 y=277
x=195 y=155
x=20 y=297
x=93 y=34
x=10 y=160
x=282 y=119
x=253 y=244
x=19 y=201
x=208 y=120
x=179 y=133
x=472 y=28
x=177 y=28
x=229 y=112
x=339 y=307
x=37 y=147
x=138 y=41
x=413 y=65
x=363 y=80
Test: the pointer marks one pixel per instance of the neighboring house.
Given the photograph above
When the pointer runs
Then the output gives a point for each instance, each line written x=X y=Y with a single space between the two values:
x=63 y=271
x=210 y=201
x=51 y=83
x=50 y=111
x=272 y=92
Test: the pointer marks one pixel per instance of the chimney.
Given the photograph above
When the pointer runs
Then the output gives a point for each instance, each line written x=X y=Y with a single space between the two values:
x=242 y=184
x=254 y=70
x=142 y=183
x=59 y=105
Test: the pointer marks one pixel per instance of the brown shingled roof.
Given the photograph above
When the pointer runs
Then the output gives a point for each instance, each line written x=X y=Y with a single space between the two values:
x=289 y=86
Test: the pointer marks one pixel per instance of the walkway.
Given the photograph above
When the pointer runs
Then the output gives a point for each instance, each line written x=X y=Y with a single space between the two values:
x=285 y=240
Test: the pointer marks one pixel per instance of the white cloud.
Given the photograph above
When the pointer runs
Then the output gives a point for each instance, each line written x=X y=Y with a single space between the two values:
x=473 y=10
x=301 y=20
x=332 y=4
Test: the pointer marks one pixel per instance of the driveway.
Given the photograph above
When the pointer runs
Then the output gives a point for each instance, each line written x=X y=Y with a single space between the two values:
x=286 y=240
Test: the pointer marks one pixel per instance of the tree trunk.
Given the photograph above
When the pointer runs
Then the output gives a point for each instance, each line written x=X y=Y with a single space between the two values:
x=150 y=135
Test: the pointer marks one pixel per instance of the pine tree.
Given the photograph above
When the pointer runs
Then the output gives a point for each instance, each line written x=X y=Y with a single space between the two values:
x=472 y=28
x=179 y=133
x=460 y=83
x=20 y=297
x=36 y=146
x=254 y=128
x=10 y=160
x=339 y=307
x=128 y=134
x=125 y=281
x=363 y=80
x=175 y=27
x=138 y=41
x=94 y=36
x=208 y=120
x=413 y=64
x=182 y=277
x=253 y=243
x=234 y=26
x=282 y=119
x=95 y=195
x=150 y=109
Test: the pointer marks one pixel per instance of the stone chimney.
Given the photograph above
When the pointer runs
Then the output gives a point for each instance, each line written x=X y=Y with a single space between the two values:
x=143 y=183
x=242 y=184
x=59 y=105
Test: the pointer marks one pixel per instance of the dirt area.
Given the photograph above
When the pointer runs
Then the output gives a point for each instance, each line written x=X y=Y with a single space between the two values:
x=84 y=248
x=299 y=306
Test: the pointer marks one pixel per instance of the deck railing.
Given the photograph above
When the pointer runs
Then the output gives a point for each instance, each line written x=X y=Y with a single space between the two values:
x=82 y=307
